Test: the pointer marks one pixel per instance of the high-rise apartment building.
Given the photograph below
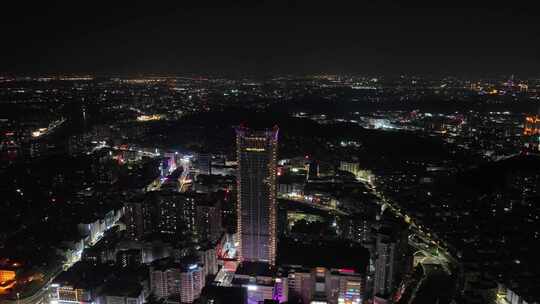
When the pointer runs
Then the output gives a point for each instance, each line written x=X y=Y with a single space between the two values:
x=256 y=210
x=392 y=261
x=208 y=224
x=352 y=167
x=204 y=162
x=137 y=218
x=177 y=281
x=175 y=212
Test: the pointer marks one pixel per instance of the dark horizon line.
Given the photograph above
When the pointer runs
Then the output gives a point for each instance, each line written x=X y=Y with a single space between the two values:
x=251 y=75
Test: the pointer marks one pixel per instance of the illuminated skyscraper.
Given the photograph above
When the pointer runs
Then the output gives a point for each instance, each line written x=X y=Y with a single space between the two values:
x=256 y=210
x=531 y=134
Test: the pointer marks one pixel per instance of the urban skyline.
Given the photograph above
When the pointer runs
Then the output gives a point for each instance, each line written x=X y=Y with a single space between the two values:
x=269 y=152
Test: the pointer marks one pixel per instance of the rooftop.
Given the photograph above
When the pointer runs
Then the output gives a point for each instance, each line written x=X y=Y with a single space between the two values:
x=122 y=288
x=170 y=263
x=328 y=254
x=256 y=269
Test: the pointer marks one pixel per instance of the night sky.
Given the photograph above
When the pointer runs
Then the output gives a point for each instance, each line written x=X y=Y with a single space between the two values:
x=270 y=37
